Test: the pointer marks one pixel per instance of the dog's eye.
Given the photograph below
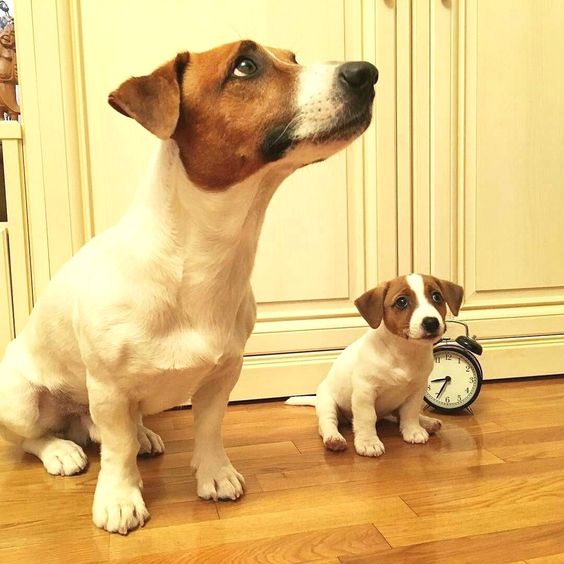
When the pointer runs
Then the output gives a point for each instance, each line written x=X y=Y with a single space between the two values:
x=244 y=67
x=437 y=298
x=402 y=302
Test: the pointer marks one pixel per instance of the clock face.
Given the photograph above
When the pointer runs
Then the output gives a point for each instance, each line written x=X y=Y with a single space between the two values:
x=455 y=380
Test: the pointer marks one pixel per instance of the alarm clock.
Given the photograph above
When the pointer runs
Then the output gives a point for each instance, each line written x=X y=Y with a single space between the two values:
x=456 y=379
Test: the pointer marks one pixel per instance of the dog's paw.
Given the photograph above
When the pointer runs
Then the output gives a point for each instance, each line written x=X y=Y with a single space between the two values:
x=430 y=424
x=415 y=435
x=149 y=442
x=63 y=458
x=119 y=509
x=220 y=483
x=335 y=442
x=369 y=447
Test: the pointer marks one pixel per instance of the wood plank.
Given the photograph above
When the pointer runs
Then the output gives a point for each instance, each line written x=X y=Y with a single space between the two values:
x=191 y=536
x=317 y=546
x=458 y=524
x=506 y=546
x=356 y=468
x=552 y=559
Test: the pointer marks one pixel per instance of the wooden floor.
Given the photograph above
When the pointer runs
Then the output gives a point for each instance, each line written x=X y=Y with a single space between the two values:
x=489 y=488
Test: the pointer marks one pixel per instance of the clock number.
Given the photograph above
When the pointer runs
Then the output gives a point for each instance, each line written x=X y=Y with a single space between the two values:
x=438 y=359
x=467 y=390
x=460 y=397
x=467 y=368
x=447 y=399
x=448 y=356
x=429 y=387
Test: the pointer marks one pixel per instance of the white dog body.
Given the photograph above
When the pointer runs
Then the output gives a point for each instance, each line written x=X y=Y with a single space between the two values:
x=380 y=361
x=385 y=371
x=157 y=310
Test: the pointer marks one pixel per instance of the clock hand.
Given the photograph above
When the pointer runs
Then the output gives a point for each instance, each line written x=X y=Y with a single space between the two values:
x=447 y=381
x=439 y=379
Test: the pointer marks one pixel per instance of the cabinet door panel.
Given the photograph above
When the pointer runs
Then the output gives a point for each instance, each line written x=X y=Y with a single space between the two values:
x=518 y=47
x=6 y=305
x=496 y=136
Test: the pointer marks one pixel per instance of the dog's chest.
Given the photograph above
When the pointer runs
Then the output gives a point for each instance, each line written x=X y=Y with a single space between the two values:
x=180 y=367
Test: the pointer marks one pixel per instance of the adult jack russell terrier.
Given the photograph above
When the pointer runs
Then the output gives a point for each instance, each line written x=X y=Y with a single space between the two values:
x=385 y=372
x=157 y=309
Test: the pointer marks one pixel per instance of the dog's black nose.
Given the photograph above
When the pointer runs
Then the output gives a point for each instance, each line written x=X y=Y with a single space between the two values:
x=430 y=324
x=358 y=75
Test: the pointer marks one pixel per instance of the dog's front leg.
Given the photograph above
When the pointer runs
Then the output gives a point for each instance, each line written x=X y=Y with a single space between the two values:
x=216 y=477
x=363 y=400
x=118 y=505
x=410 y=425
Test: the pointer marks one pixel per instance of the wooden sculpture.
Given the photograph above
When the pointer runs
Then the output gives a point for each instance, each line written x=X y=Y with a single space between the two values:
x=9 y=108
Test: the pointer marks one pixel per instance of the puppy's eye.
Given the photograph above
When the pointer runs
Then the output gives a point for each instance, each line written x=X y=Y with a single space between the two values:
x=402 y=302
x=244 y=67
x=437 y=298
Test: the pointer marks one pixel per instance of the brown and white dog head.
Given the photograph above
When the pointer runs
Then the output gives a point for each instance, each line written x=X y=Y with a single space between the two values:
x=241 y=106
x=412 y=306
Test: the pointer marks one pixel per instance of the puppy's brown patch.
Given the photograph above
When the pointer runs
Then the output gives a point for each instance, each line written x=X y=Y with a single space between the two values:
x=381 y=303
x=397 y=319
x=431 y=286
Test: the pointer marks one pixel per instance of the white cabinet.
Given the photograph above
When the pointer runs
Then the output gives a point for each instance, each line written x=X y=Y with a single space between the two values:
x=460 y=174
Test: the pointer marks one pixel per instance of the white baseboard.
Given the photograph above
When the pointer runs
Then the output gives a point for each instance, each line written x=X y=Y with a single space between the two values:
x=281 y=375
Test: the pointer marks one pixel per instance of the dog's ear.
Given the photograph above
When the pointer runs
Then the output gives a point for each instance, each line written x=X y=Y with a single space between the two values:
x=371 y=305
x=153 y=100
x=453 y=294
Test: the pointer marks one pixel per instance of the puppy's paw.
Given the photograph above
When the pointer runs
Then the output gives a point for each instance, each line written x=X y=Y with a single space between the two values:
x=118 y=509
x=149 y=442
x=63 y=458
x=415 y=435
x=335 y=442
x=369 y=447
x=219 y=483
x=430 y=424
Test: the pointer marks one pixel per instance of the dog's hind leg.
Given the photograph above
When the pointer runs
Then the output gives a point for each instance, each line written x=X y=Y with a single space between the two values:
x=327 y=414
x=83 y=430
x=59 y=456
x=150 y=444
x=29 y=417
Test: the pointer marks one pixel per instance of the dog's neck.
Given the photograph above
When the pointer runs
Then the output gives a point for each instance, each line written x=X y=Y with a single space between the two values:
x=206 y=240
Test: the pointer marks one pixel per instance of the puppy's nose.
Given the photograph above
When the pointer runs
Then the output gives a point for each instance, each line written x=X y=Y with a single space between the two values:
x=430 y=324
x=358 y=75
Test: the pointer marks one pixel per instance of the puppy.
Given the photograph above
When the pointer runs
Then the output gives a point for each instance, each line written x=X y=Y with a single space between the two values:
x=385 y=372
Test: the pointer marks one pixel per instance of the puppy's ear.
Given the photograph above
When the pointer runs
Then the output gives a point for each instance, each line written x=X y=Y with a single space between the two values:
x=371 y=305
x=153 y=100
x=453 y=294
